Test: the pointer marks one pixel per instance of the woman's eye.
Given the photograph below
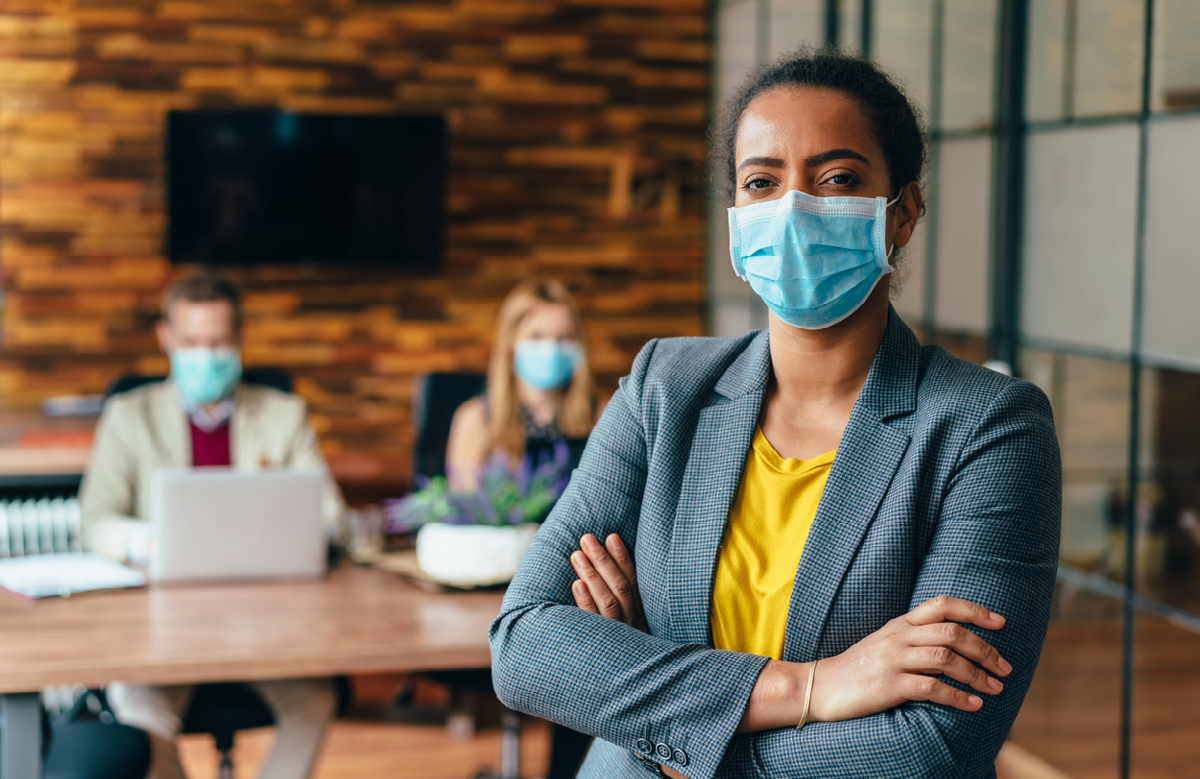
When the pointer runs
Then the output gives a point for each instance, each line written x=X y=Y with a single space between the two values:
x=754 y=184
x=842 y=180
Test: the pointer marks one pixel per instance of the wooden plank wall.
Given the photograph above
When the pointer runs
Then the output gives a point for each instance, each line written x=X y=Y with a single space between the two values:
x=577 y=136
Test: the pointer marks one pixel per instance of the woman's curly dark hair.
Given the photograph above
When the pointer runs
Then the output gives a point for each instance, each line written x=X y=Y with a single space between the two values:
x=895 y=123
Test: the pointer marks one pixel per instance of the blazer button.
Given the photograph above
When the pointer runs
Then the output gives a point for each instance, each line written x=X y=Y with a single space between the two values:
x=679 y=756
x=643 y=745
x=663 y=751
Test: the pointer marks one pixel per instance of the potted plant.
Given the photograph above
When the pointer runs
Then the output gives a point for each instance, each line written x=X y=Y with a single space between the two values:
x=478 y=538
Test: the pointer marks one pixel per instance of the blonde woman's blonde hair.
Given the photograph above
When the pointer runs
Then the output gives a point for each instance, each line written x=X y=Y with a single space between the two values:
x=506 y=425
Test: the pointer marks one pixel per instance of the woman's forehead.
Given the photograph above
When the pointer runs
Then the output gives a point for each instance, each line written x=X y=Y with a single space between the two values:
x=547 y=315
x=804 y=121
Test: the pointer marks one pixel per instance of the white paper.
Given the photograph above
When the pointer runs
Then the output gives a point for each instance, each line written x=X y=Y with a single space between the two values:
x=42 y=576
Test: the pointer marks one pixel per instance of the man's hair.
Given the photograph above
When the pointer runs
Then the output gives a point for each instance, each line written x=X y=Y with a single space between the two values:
x=204 y=287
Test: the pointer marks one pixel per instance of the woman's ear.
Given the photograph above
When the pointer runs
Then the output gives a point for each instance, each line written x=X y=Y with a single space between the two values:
x=906 y=213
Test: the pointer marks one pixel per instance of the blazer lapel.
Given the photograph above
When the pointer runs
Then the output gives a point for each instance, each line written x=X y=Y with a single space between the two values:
x=722 y=438
x=867 y=458
x=244 y=434
x=170 y=426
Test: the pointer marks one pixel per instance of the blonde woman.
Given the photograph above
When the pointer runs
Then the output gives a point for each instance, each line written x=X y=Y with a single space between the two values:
x=540 y=396
x=540 y=405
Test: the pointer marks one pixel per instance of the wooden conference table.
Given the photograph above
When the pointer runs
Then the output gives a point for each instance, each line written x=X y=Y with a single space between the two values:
x=352 y=621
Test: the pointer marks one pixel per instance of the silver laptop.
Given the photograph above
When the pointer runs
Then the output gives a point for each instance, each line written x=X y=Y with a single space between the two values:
x=223 y=524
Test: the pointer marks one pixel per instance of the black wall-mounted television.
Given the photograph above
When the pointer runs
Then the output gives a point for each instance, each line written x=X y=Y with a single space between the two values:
x=256 y=187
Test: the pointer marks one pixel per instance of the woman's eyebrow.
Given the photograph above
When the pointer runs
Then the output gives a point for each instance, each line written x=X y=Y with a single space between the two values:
x=765 y=162
x=834 y=154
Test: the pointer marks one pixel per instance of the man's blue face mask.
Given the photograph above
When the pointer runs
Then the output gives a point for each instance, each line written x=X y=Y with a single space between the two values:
x=546 y=364
x=206 y=375
x=812 y=260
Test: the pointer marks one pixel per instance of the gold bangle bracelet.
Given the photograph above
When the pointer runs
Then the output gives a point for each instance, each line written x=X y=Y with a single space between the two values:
x=812 y=672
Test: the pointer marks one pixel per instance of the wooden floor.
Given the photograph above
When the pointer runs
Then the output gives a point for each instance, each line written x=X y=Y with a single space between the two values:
x=366 y=750
x=1071 y=717
x=370 y=750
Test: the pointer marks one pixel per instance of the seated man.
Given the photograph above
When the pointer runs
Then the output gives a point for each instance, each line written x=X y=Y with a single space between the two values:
x=202 y=415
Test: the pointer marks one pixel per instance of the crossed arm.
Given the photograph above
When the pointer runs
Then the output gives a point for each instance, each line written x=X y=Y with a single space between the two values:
x=896 y=664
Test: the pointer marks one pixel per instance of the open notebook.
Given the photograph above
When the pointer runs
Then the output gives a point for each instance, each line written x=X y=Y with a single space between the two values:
x=41 y=576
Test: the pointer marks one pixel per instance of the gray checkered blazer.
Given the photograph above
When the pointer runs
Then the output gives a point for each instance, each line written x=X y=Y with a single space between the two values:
x=946 y=481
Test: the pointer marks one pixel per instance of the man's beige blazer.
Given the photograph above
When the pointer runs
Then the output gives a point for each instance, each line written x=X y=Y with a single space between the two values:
x=147 y=428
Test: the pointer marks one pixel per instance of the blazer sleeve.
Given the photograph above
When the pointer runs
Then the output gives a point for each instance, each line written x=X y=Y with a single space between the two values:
x=108 y=494
x=595 y=674
x=996 y=544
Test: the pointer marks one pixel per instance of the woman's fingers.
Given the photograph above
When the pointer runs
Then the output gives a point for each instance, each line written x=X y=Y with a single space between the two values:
x=915 y=687
x=618 y=583
x=609 y=576
x=921 y=656
x=964 y=642
x=605 y=601
x=583 y=597
x=943 y=608
x=620 y=554
x=616 y=549
x=942 y=660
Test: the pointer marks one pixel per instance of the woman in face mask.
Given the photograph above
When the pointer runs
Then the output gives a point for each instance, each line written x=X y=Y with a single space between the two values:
x=819 y=550
x=540 y=401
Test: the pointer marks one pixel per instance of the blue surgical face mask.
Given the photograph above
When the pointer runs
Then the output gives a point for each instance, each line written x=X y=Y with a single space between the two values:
x=812 y=260
x=546 y=364
x=206 y=375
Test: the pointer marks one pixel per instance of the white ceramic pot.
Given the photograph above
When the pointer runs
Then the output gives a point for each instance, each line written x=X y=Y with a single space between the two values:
x=473 y=555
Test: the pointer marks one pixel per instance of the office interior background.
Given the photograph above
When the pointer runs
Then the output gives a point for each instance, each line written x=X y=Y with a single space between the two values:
x=1059 y=240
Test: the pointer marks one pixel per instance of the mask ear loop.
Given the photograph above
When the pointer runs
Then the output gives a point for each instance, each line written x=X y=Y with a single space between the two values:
x=886 y=206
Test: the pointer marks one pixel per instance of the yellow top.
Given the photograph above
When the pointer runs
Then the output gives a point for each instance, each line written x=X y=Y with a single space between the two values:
x=768 y=524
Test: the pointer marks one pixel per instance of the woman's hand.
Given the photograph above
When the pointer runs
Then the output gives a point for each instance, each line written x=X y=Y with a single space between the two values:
x=900 y=662
x=607 y=583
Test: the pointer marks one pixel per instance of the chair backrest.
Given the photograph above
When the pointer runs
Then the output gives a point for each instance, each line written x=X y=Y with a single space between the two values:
x=262 y=375
x=437 y=397
x=224 y=708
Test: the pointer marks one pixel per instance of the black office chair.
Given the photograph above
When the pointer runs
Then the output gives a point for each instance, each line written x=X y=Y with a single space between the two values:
x=87 y=742
x=221 y=710
x=262 y=375
x=435 y=399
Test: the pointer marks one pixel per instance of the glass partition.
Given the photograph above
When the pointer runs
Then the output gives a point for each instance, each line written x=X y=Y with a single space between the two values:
x=968 y=64
x=1108 y=56
x=792 y=23
x=1069 y=726
x=964 y=213
x=1164 y=717
x=1080 y=213
x=903 y=43
x=1176 y=77
x=908 y=287
x=1172 y=316
x=1050 y=59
